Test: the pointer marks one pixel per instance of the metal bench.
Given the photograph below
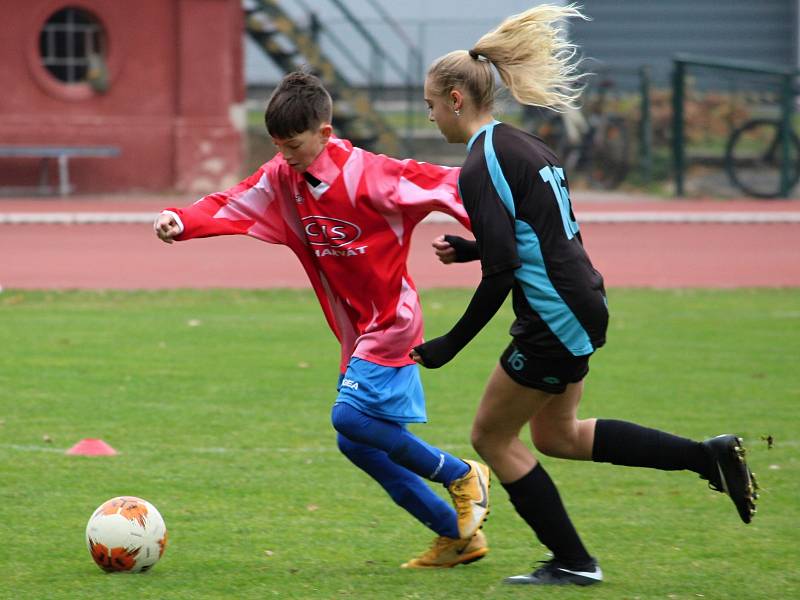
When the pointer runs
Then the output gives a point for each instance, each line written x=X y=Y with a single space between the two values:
x=62 y=154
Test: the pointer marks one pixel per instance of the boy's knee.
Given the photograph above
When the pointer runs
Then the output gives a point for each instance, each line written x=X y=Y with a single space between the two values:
x=342 y=419
x=347 y=446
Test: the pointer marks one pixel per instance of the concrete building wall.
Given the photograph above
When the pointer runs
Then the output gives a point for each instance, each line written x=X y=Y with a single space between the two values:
x=175 y=85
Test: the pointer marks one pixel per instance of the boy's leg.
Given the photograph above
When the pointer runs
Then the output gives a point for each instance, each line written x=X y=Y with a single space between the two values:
x=467 y=481
x=401 y=446
x=411 y=492
x=407 y=489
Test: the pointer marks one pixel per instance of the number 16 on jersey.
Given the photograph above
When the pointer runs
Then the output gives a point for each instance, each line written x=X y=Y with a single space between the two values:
x=555 y=177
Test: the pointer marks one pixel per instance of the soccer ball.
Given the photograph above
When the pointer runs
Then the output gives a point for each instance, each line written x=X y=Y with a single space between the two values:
x=126 y=534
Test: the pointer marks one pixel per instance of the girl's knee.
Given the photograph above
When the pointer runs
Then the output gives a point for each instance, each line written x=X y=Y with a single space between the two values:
x=490 y=444
x=556 y=443
x=480 y=440
x=548 y=446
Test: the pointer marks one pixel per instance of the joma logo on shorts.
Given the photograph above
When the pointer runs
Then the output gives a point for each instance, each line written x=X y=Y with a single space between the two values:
x=326 y=231
x=349 y=383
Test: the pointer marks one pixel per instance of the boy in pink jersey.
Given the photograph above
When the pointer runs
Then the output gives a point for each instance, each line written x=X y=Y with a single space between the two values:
x=348 y=215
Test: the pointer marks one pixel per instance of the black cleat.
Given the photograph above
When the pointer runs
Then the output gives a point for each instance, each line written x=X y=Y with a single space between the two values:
x=554 y=572
x=731 y=475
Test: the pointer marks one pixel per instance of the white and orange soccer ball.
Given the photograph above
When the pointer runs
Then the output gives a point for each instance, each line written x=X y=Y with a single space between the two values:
x=126 y=534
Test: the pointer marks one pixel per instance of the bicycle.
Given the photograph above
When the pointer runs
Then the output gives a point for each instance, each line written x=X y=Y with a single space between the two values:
x=754 y=155
x=590 y=141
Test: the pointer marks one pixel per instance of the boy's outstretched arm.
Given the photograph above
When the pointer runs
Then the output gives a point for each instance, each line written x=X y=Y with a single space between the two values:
x=250 y=207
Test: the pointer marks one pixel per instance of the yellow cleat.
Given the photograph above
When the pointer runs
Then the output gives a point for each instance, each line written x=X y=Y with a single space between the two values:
x=448 y=552
x=470 y=496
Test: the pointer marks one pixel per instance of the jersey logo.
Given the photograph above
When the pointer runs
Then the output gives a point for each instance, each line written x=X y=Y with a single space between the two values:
x=327 y=231
x=349 y=383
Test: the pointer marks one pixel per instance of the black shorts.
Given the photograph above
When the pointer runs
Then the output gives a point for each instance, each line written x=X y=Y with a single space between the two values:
x=550 y=375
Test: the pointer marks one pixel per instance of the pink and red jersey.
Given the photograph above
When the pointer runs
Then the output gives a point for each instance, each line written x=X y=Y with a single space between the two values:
x=350 y=224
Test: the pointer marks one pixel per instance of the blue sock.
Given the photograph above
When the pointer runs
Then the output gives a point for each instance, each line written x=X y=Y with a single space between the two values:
x=402 y=446
x=407 y=489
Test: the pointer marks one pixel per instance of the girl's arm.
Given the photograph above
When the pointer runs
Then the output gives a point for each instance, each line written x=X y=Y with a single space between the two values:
x=462 y=250
x=487 y=300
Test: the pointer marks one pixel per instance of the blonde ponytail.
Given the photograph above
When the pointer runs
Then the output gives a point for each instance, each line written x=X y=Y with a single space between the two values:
x=531 y=53
x=536 y=61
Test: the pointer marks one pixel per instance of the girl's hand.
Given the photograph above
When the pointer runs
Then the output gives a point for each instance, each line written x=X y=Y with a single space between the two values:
x=445 y=252
x=414 y=355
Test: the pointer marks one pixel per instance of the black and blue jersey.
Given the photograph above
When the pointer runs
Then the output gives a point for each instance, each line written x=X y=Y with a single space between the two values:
x=517 y=198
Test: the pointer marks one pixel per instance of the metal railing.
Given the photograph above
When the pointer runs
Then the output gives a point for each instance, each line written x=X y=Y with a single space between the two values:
x=785 y=79
x=379 y=59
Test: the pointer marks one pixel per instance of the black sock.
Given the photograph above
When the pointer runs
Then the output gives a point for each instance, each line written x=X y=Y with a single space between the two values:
x=537 y=501
x=628 y=444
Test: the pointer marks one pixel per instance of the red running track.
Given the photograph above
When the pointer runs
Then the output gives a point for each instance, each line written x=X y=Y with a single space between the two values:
x=129 y=256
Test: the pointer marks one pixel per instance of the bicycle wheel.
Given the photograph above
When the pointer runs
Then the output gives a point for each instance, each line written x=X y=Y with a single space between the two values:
x=753 y=158
x=608 y=159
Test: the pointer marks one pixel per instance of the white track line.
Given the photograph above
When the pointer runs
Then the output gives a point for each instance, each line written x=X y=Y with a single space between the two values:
x=730 y=217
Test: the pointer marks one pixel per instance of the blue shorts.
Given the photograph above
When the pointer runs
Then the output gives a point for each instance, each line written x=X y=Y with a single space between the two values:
x=388 y=393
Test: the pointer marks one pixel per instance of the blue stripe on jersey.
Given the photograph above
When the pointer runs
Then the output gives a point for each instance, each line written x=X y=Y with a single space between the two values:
x=543 y=297
x=480 y=131
x=532 y=275
x=496 y=172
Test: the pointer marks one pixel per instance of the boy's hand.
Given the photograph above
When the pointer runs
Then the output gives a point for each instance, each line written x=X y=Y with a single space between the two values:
x=166 y=227
x=443 y=249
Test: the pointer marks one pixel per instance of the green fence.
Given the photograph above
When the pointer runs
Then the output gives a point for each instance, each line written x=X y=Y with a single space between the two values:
x=782 y=78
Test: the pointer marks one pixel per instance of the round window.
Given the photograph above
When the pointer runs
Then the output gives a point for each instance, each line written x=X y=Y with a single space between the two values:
x=72 y=46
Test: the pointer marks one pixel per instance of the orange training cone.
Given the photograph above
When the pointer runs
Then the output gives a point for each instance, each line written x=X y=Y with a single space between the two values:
x=92 y=447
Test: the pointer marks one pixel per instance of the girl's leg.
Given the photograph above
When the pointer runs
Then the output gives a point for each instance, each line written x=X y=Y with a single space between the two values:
x=506 y=407
x=408 y=490
x=629 y=444
x=556 y=431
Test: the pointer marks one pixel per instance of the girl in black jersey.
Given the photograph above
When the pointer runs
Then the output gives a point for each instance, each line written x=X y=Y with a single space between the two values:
x=529 y=244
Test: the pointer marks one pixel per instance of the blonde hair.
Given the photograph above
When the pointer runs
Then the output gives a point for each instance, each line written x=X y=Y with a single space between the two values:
x=530 y=51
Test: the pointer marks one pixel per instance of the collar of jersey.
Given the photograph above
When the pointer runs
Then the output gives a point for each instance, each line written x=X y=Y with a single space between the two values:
x=326 y=167
x=480 y=131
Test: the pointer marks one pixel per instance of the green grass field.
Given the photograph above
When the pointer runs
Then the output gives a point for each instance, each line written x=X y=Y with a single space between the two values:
x=218 y=403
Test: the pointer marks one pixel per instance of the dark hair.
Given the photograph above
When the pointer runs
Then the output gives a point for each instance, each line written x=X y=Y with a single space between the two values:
x=298 y=104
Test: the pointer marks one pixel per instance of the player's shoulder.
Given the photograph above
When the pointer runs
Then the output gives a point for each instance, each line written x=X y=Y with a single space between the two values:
x=513 y=145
